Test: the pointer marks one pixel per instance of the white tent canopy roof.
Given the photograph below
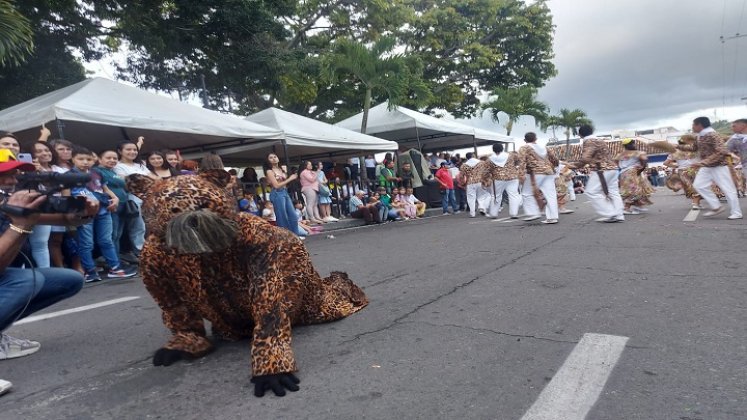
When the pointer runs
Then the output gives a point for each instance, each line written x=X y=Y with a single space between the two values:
x=309 y=138
x=98 y=113
x=407 y=127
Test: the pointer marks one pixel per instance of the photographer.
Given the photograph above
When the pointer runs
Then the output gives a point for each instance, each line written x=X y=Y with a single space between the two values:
x=25 y=291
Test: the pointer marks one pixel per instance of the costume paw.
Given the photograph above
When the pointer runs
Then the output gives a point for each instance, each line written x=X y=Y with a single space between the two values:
x=166 y=357
x=278 y=383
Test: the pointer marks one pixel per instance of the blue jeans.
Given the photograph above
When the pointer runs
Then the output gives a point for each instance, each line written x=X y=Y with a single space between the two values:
x=135 y=227
x=285 y=213
x=39 y=241
x=17 y=288
x=101 y=227
x=447 y=196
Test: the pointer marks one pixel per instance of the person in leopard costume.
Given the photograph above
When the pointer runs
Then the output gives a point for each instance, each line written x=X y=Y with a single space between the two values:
x=203 y=259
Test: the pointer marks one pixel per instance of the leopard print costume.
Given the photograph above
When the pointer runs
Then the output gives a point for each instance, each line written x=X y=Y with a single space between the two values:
x=258 y=287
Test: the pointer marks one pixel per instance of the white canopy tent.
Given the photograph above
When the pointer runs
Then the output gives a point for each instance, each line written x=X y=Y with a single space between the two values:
x=98 y=113
x=415 y=130
x=311 y=139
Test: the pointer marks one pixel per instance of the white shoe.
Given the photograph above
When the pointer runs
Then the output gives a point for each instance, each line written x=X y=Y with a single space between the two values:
x=11 y=347
x=531 y=218
x=5 y=386
x=640 y=209
x=329 y=219
x=566 y=211
x=734 y=217
x=631 y=212
x=550 y=221
x=609 y=220
x=714 y=212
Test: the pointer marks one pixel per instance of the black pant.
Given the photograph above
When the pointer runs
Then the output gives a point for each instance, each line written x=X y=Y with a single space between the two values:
x=371 y=174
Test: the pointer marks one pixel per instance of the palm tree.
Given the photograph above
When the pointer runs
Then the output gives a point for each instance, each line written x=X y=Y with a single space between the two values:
x=516 y=102
x=16 y=35
x=379 y=70
x=551 y=122
x=572 y=120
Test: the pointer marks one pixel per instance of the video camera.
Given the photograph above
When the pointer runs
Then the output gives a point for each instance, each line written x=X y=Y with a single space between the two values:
x=50 y=183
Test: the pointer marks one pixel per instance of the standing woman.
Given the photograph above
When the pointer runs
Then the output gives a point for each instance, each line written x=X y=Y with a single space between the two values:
x=62 y=161
x=158 y=165
x=285 y=212
x=39 y=239
x=129 y=164
x=634 y=188
x=310 y=191
x=108 y=160
x=325 y=195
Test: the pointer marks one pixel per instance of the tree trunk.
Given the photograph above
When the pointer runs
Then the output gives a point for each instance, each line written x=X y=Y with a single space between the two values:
x=366 y=107
x=509 y=126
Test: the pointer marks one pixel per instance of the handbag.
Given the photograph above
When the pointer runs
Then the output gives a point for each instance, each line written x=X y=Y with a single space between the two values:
x=130 y=210
x=324 y=191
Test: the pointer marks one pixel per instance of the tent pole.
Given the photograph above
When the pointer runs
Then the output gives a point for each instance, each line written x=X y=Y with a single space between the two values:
x=417 y=136
x=60 y=126
x=285 y=150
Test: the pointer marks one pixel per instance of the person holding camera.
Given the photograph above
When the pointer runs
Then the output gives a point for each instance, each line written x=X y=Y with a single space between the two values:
x=24 y=291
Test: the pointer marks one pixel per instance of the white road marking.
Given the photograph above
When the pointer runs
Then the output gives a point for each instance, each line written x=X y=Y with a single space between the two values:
x=574 y=390
x=691 y=216
x=74 y=310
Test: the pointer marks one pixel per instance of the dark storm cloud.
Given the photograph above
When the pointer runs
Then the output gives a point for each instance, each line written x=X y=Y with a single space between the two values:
x=629 y=63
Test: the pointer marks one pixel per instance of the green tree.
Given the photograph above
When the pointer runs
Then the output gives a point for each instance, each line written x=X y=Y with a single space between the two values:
x=571 y=121
x=472 y=46
x=516 y=102
x=16 y=36
x=63 y=30
x=551 y=122
x=377 y=69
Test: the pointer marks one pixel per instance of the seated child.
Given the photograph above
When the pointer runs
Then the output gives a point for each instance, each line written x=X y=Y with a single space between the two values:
x=248 y=204
x=419 y=205
x=268 y=213
x=303 y=224
x=401 y=198
x=394 y=212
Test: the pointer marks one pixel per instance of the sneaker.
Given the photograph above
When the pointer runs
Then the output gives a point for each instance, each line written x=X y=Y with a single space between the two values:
x=120 y=273
x=446 y=213
x=714 y=212
x=695 y=207
x=566 y=211
x=5 y=386
x=734 y=217
x=531 y=218
x=631 y=212
x=92 y=276
x=550 y=221
x=11 y=347
x=640 y=209
x=472 y=215
x=608 y=220
x=457 y=212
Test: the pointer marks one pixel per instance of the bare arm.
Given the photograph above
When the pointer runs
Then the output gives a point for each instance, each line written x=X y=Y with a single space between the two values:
x=274 y=183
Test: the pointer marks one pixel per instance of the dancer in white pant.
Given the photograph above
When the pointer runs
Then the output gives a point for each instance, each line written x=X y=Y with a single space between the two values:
x=714 y=169
x=501 y=174
x=602 y=189
x=472 y=170
x=538 y=163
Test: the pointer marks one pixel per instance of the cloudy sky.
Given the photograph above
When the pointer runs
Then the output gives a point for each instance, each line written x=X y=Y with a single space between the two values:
x=639 y=64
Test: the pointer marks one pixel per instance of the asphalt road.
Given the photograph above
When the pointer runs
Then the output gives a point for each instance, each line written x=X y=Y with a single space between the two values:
x=469 y=318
